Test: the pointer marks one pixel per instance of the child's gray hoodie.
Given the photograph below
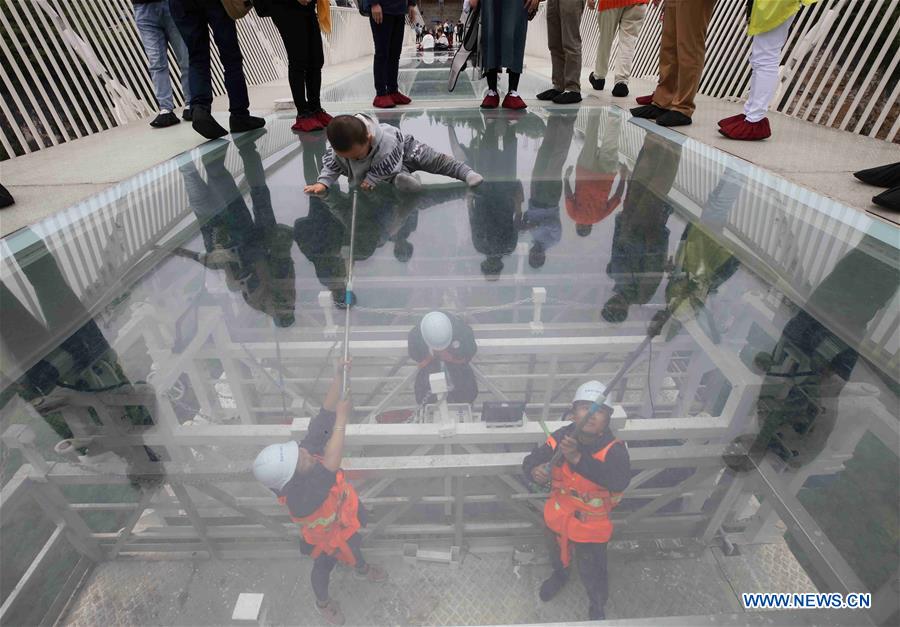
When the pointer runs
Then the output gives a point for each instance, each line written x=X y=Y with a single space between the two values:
x=383 y=162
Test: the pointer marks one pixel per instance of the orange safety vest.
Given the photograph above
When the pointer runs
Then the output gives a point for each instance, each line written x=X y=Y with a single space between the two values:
x=578 y=509
x=335 y=521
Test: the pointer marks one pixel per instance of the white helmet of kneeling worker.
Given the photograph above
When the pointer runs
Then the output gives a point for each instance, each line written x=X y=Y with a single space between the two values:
x=275 y=464
x=437 y=330
x=591 y=392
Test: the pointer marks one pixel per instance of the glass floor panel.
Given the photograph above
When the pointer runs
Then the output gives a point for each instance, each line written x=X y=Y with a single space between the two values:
x=156 y=336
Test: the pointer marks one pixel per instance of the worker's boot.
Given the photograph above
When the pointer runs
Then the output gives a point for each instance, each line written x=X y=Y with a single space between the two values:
x=371 y=573
x=331 y=612
x=551 y=587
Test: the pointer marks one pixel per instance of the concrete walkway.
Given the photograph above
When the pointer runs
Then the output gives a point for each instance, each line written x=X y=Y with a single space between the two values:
x=810 y=155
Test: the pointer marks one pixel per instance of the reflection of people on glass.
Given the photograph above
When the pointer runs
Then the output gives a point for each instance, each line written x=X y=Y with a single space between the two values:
x=439 y=342
x=641 y=239
x=702 y=264
x=496 y=203
x=36 y=362
x=541 y=218
x=253 y=250
x=593 y=198
x=814 y=358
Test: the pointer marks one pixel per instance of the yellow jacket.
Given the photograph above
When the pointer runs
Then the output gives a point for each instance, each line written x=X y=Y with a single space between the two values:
x=768 y=14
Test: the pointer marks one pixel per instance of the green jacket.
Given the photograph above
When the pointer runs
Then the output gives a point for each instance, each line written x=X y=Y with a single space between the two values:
x=768 y=14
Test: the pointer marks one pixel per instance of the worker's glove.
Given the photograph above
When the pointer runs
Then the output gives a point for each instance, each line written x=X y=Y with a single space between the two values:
x=659 y=320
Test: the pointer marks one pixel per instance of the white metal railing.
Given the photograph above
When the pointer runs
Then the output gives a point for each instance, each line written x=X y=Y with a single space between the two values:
x=72 y=68
x=840 y=64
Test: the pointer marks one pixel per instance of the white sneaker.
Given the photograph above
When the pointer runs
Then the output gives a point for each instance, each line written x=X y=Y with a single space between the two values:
x=474 y=179
x=406 y=182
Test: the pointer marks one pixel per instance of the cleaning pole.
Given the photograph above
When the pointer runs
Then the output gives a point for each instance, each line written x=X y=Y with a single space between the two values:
x=632 y=357
x=348 y=300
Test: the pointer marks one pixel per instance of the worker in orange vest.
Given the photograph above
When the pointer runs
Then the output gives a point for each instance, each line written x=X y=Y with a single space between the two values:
x=584 y=488
x=307 y=478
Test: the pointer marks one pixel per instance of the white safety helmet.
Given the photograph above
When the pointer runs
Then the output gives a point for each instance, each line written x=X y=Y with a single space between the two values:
x=591 y=392
x=275 y=464
x=437 y=330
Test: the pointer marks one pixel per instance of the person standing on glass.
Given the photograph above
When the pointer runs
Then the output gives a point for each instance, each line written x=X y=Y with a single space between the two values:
x=387 y=19
x=298 y=25
x=504 y=25
x=682 y=51
x=194 y=19
x=628 y=17
x=157 y=31
x=769 y=24
x=564 y=40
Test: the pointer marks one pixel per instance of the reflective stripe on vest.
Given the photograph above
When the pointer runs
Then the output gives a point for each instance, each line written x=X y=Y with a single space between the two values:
x=578 y=509
x=334 y=522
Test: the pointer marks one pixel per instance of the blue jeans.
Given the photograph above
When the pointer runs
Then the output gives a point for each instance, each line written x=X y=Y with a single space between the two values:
x=195 y=18
x=157 y=28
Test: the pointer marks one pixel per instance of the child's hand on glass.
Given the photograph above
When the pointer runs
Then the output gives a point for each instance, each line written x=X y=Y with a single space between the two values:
x=315 y=188
x=367 y=186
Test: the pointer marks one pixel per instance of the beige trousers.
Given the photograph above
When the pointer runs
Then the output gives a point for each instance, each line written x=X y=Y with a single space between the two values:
x=629 y=21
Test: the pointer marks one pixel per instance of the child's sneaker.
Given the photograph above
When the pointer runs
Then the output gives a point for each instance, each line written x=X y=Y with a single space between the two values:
x=474 y=179
x=373 y=573
x=384 y=102
x=491 y=100
x=400 y=99
x=513 y=101
x=323 y=117
x=307 y=123
x=331 y=612
x=406 y=182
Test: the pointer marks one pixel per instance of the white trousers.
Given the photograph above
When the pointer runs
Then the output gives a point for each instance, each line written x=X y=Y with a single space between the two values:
x=765 y=55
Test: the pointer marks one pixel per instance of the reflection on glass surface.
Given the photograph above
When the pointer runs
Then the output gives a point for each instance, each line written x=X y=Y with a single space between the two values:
x=155 y=343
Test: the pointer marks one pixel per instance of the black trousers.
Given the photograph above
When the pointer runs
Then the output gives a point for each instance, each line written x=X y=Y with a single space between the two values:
x=324 y=564
x=590 y=558
x=299 y=28
x=461 y=379
x=194 y=19
x=388 y=38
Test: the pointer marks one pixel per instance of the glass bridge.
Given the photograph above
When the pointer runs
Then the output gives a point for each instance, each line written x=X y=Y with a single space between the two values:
x=157 y=336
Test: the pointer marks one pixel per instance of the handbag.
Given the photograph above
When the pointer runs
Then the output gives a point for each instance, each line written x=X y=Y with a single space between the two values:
x=236 y=9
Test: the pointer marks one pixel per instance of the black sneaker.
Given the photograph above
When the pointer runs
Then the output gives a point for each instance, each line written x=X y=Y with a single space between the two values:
x=204 y=123
x=648 y=112
x=673 y=118
x=889 y=199
x=244 y=123
x=597 y=83
x=186 y=115
x=568 y=97
x=165 y=119
x=551 y=587
x=882 y=176
x=620 y=90
x=548 y=94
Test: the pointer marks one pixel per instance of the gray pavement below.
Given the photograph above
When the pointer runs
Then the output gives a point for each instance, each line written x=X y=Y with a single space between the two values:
x=485 y=589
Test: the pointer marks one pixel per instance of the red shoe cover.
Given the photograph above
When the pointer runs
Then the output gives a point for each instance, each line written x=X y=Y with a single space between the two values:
x=513 y=102
x=748 y=131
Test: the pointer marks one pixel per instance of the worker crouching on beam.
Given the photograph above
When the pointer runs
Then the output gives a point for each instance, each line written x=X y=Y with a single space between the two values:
x=307 y=478
x=586 y=483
